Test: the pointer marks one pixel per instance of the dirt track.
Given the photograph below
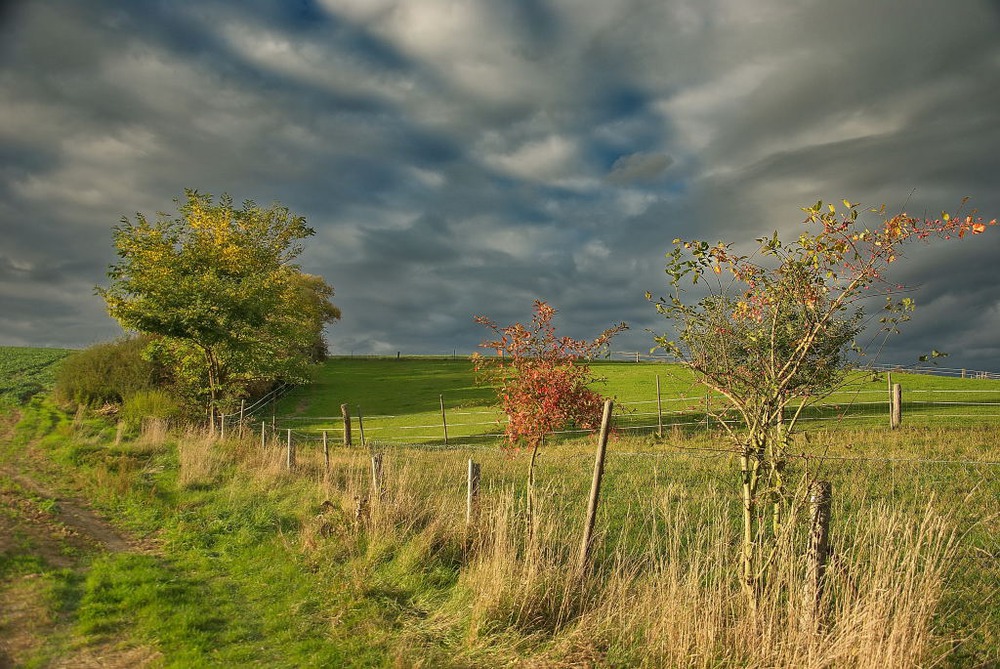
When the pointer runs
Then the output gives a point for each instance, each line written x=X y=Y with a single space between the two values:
x=53 y=532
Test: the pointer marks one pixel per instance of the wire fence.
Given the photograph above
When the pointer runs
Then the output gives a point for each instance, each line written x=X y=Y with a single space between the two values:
x=454 y=426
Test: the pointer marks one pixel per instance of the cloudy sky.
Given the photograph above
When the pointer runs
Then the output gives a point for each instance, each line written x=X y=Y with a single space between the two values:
x=459 y=157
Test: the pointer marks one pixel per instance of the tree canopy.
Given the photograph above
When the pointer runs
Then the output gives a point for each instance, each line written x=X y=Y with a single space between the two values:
x=218 y=288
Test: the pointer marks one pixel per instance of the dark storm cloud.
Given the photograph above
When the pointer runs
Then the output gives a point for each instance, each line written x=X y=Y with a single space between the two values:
x=467 y=158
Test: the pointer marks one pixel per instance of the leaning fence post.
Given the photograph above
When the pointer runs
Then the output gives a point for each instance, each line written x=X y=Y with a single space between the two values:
x=345 y=413
x=472 y=492
x=896 y=415
x=444 y=420
x=819 y=545
x=595 y=487
x=289 y=451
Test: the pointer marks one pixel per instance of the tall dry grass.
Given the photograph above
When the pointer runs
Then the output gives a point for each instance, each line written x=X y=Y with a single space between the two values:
x=663 y=590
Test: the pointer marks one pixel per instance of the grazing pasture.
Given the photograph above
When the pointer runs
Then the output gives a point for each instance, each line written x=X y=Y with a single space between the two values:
x=25 y=371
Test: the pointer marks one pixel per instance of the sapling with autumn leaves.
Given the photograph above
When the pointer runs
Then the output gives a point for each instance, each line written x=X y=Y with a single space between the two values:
x=772 y=332
x=543 y=380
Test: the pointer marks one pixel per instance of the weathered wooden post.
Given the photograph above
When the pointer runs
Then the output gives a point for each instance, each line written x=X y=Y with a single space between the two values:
x=222 y=426
x=444 y=420
x=472 y=492
x=819 y=548
x=243 y=406
x=659 y=409
x=345 y=413
x=377 y=478
x=595 y=487
x=289 y=451
x=896 y=417
x=326 y=453
x=262 y=444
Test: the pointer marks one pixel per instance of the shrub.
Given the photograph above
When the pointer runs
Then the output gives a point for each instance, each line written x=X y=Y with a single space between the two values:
x=106 y=373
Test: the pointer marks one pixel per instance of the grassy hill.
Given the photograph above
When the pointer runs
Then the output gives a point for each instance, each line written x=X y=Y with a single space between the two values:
x=400 y=400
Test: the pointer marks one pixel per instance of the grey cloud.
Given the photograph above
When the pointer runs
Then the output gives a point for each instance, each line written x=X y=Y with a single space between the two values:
x=639 y=167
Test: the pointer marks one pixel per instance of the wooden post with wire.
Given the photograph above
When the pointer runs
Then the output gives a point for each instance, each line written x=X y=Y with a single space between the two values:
x=896 y=404
x=819 y=548
x=345 y=413
x=595 y=488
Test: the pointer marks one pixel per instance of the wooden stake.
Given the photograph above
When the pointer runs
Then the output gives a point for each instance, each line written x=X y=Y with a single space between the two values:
x=595 y=487
x=444 y=420
x=326 y=452
x=262 y=445
x=896 y=416
x=819 y=548
x=377 y=479
x=659 y=409
x=472 y=492
x=345 y=413
x=289 y=452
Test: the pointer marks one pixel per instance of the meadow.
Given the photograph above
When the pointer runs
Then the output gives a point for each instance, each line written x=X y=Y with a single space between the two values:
x=400 y=401
x=239 y=561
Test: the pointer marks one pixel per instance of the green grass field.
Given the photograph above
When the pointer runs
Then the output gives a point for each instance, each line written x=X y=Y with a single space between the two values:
x=400 y=400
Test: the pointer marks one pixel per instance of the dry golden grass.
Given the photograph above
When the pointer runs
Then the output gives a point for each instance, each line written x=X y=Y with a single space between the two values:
x=663 y=590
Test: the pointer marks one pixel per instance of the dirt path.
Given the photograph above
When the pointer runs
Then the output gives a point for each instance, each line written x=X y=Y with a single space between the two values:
x=42 y=532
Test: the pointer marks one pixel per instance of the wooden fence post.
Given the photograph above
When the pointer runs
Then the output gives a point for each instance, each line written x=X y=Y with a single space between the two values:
x=262 y=444
x=896 y=405
x=377 y=478
x=444 y=420
x=289 y=451
x=345 y=413
x=326 y=453
x=819 y=545
x=472 y=492
x=222 y=428
x=243 y=406
x=659 y=409
x=595 y=487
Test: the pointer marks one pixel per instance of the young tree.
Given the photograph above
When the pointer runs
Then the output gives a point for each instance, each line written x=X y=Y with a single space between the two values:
x=772 y=332
x=218 y=288
x=542 y=379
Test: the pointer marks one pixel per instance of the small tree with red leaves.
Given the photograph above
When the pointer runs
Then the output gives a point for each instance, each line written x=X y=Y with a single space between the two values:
x=542 y=379
x=772 y=331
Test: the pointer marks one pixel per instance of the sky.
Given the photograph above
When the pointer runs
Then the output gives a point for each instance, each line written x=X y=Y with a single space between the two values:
x=464 y=157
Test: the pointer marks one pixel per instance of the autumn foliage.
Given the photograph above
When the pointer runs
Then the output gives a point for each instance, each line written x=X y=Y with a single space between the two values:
x=771 y=331
x=542 y=379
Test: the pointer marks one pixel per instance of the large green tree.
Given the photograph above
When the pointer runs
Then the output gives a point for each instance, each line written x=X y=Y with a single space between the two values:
x=218 y=288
